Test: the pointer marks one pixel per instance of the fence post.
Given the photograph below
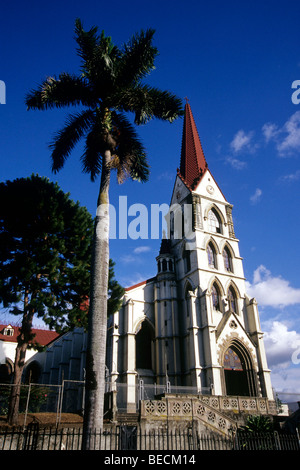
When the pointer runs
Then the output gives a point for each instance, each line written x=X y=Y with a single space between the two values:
x=27 y=405
x=277 y=440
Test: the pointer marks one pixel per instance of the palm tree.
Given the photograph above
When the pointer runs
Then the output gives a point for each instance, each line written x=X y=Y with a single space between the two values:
x=109 y=87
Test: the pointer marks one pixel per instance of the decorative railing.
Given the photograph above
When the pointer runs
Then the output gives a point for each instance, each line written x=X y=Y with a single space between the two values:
x=210 y=410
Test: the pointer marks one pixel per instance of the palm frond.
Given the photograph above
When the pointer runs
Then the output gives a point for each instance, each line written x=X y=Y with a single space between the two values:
x=95 y=147
x=65 y=140
x=99 y=56
x=86 y=40
x=130 y=156
x=58 y=92
x=148 y=102
x=138 y=57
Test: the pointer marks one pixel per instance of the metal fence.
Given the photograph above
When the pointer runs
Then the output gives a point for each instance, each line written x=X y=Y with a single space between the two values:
x=134 y=438
x=38 y=398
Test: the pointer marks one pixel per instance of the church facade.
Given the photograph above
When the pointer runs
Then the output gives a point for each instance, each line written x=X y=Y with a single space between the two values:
x=192 y=326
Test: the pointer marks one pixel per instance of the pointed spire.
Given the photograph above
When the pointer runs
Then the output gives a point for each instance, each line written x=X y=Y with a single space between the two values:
x=192 y=162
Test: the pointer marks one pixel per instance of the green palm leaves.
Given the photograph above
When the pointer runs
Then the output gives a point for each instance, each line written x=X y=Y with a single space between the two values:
x=109 y=87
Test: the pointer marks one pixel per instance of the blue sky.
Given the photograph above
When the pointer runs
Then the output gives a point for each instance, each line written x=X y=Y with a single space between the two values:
x=236 y=62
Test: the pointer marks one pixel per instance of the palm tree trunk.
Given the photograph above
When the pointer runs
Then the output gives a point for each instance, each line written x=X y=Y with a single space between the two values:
x=97 y=322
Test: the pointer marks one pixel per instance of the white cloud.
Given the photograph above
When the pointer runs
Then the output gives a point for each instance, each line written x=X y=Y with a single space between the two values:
x=128 y=259
x=270 y=131
x=235 y=163
x=141 y=249
x=286 y=138
x=281 y=345
x=256 y=196
x=271 y=290
x=241 y=141
x=291 y=177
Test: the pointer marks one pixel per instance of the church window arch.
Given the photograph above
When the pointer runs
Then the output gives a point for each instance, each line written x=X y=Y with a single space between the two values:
x=239 y=377
x=186 y=260
x=216 y=296
x=227 y=258
x=232 y=299
x=211 y=256
x=188 y=289
x=143 y=346
x=214 y=221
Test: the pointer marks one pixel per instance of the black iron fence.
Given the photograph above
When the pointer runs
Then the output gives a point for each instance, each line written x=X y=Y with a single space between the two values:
x=134 y=438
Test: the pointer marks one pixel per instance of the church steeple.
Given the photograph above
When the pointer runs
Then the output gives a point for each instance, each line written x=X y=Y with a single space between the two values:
x=192 y=162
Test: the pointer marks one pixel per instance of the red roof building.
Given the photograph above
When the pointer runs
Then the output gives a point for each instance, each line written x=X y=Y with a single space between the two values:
x=10 y=333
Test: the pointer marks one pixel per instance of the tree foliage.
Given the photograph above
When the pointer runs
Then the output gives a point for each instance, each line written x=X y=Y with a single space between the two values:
x=45 y=246
x=109 y=87
x=45 y=254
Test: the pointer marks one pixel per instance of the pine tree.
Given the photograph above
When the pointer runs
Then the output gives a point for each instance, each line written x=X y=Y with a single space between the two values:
x=45 y=262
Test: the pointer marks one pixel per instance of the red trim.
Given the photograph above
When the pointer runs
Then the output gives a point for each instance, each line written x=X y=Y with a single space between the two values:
x=139 y=284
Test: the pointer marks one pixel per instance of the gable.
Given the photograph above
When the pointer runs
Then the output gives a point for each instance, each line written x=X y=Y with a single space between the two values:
x=209 y=188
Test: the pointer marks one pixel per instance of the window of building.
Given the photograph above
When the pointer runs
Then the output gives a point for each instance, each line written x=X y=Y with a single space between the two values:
x=216 y=297
x=144 y=339
x=211 y=255
x=232 y=300
x=227 y=260
x=8 y=331
x=187 y=260
x=214 y=222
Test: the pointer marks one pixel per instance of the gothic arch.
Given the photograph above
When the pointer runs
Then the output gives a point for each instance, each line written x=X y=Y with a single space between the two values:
x=144 y=337
x=239 y=369
x=188 y=286
x=215 y=280
x=139 y=323
x=214 y=243
x=214 y=208
x=225 y=244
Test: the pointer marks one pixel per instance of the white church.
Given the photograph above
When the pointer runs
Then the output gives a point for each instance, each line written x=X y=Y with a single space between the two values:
x=192 y=326
x=190 y=336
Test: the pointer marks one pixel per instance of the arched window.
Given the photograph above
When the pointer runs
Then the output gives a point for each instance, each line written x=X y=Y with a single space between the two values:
x=144 y=339
x=239 y=374
x=214 y=222
x=211 y=255
x=215 y=297
x=232 y=300
x=227 y=260
x=187 y=260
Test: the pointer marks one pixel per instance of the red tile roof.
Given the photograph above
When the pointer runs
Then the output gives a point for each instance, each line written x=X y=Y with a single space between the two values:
x=140 y=284
x=192 y=163
x=42 y=337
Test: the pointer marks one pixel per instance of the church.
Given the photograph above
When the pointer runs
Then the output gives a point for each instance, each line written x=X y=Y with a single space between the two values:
x=186 y=345
x=191 y=328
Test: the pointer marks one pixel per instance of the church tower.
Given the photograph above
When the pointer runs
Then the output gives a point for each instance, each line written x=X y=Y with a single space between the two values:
x=221 y=342
x=191 y=328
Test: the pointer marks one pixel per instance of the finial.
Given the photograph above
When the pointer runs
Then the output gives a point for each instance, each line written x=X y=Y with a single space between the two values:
x=186 y=100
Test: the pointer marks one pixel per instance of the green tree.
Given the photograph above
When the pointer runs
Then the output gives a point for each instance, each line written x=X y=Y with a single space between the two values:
x=45 y=246
x=109 y=87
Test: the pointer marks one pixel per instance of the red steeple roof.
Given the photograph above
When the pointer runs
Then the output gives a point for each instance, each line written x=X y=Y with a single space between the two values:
x=192 y=163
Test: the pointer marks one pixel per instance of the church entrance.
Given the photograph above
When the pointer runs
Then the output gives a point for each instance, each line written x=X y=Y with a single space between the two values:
x=238 y=373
